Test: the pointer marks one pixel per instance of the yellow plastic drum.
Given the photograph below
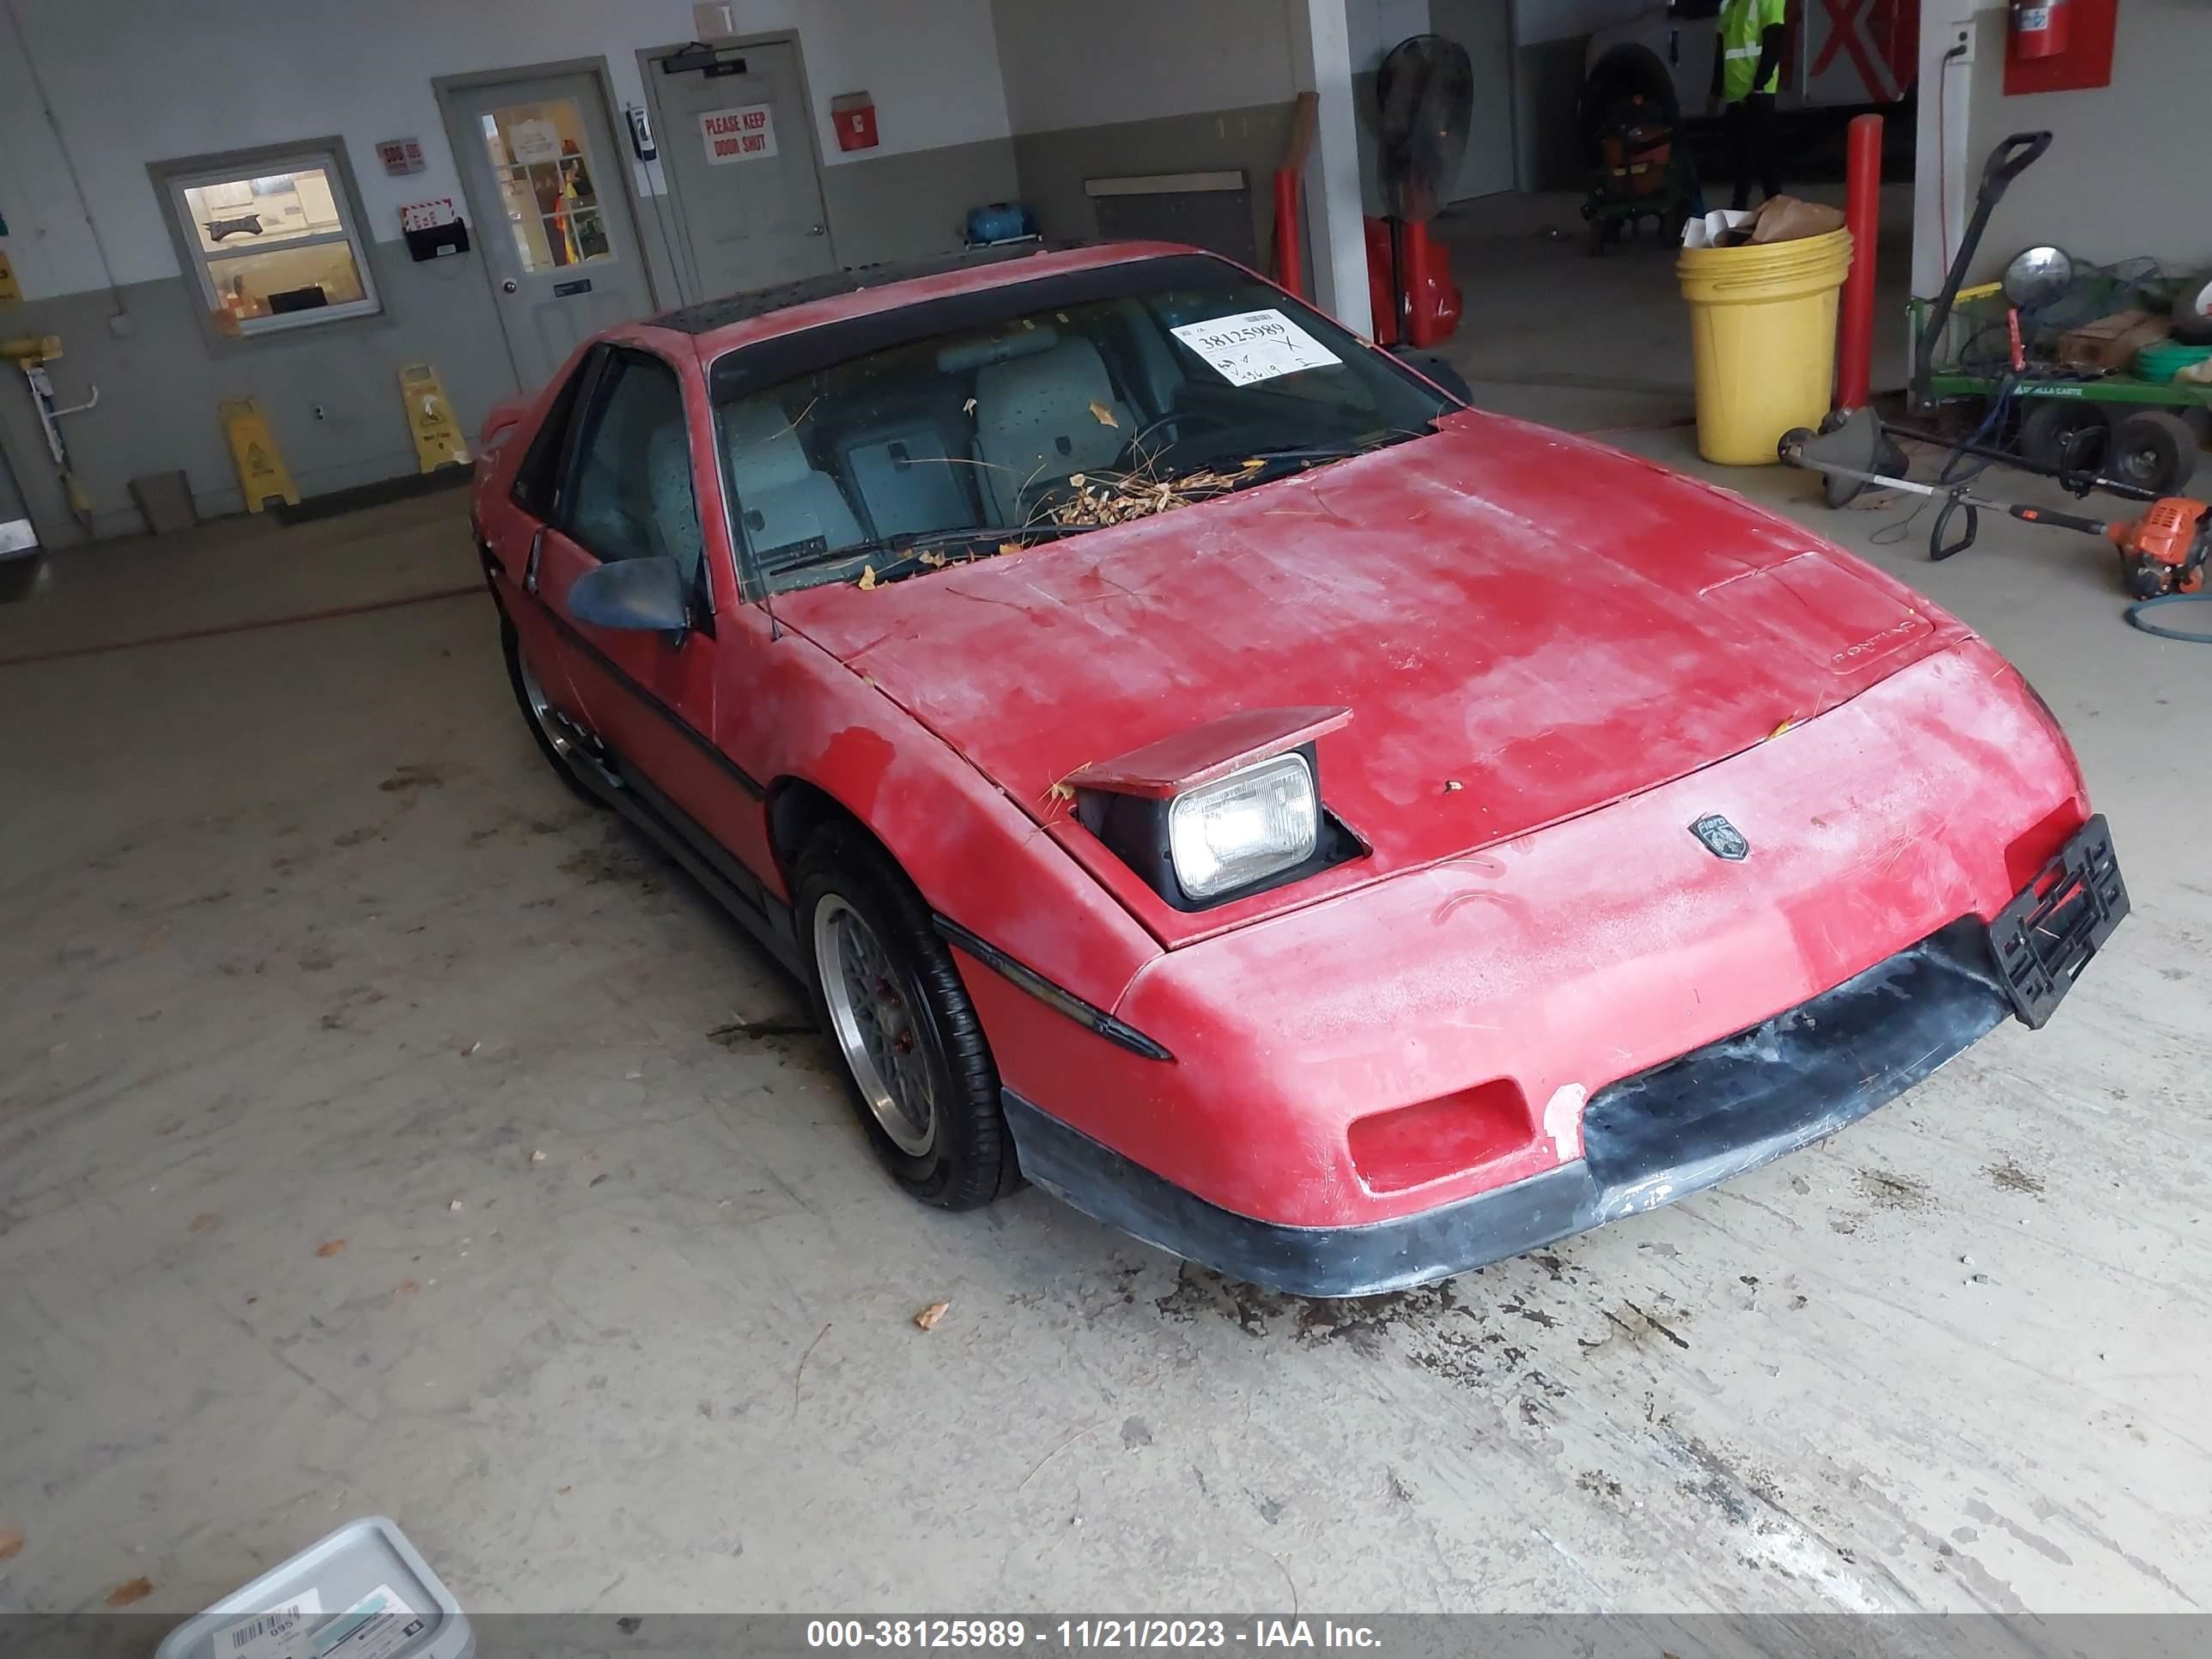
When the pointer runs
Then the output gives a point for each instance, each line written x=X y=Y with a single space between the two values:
x=1763 y=328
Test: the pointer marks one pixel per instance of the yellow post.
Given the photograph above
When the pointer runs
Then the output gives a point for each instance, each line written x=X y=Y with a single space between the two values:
x=430 y=418
x=262 y=473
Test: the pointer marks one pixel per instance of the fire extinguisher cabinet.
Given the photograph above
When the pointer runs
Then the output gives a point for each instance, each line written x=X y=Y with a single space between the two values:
x=853 y=115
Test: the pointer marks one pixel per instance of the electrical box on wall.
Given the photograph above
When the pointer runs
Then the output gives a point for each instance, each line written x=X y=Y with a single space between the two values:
x=2059 y=45
x=854 y=114
x=433 y=229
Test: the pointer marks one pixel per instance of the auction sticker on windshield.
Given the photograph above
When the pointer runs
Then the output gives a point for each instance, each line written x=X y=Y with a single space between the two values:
x=1255 y=345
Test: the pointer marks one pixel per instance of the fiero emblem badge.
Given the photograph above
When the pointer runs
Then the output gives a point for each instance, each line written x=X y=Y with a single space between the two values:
x=1721 y=838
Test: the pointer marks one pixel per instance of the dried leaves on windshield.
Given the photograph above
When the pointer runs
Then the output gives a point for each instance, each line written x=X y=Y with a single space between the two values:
x=1094 y=501
x=1118 y=497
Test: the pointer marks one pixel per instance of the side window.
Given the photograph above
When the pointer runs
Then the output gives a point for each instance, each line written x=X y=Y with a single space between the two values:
x=632 y=497
x=539 y=475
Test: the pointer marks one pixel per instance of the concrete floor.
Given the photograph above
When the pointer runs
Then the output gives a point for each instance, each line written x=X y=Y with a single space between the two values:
x=310 y=958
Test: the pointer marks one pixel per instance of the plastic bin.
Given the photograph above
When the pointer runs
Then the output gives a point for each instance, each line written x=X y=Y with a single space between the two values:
x=1763 y=329
x=364 y=1592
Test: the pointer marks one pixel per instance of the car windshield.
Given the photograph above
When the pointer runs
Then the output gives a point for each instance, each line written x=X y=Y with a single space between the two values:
x=956 y=428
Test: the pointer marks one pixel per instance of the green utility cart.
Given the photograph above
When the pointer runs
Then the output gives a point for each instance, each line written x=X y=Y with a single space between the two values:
x=2143 y=432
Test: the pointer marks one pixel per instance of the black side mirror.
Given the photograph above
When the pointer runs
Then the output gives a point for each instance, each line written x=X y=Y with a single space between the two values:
x=637 y=593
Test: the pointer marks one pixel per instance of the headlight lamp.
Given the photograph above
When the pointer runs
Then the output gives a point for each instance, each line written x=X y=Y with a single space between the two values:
x=1254 y=823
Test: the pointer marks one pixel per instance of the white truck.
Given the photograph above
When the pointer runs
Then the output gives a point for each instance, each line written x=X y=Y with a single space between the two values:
x=1843 y=54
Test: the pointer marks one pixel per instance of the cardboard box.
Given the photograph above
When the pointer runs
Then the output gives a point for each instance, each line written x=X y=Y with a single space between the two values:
x=2110 y=343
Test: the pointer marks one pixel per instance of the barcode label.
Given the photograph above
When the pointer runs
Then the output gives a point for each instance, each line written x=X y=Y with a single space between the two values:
x=269 y=1634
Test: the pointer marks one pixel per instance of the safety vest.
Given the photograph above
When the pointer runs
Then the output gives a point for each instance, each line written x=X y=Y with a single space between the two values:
x=1742 y=23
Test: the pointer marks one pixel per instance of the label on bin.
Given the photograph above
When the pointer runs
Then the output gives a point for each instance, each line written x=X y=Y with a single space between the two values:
x=377 y=1626
x=281 y=1633
x=1255 y=345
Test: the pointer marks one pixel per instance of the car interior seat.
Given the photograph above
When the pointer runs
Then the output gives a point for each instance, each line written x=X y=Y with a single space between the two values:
x=910 y=476
x=1036 y=422
x=782 y=502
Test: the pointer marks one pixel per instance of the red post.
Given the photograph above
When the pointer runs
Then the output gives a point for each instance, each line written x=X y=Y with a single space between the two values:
x=1862 y=216
x=1290 y=257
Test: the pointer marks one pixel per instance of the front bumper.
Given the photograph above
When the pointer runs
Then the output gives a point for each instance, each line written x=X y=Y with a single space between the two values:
x=1648 y=1139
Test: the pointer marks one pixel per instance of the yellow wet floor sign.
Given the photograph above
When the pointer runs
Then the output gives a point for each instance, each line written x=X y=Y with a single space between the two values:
x=262 y=474
x=430 y=418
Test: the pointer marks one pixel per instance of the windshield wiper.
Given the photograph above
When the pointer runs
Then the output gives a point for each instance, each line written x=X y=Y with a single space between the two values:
x=903 y=555
x=1341 y=451
x=1244 y=466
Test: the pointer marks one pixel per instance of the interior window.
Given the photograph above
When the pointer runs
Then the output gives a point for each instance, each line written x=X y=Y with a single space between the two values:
x=632 y=497
x=536 y=479
x=272 y=240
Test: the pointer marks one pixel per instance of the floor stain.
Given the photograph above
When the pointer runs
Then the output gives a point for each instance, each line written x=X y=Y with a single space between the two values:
x=1639 y=1320
x=414 y=777
x=2009 y=1177
x=619 y=859
x=1446 y=1334
x=737 y=1033
x=1598 y=1484
x=1894 y=1192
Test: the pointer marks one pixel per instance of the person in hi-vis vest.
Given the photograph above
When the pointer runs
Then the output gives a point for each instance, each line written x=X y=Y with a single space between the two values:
x=1747 y=71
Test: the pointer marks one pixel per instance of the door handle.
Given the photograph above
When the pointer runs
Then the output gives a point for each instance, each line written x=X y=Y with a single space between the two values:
x=508 y=287
x=817 y=230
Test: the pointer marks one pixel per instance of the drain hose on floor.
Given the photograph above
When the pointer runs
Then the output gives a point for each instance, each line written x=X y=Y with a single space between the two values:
x=2136 y=615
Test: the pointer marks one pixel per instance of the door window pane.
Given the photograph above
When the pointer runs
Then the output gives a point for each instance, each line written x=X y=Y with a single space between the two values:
x=538 y=157
x=633 y=495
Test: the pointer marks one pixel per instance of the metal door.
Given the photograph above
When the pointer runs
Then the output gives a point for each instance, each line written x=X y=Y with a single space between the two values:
x=737 y=146
x=1484 y=27
x=539 y=168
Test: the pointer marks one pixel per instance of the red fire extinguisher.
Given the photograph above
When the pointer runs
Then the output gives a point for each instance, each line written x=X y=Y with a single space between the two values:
x=2040 y=29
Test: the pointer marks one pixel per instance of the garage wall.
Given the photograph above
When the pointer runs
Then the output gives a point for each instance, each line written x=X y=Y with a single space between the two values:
x=131 y=83
x=1143 y=86
x=1157 y=85
x=2122 y=176
x=1550 y=38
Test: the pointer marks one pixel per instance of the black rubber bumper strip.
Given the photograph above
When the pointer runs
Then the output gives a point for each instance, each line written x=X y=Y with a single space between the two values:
x=1648 y=1140
x=1085 y=1014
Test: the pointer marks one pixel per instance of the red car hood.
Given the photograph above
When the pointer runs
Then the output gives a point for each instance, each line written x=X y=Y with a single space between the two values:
x=1549 y=623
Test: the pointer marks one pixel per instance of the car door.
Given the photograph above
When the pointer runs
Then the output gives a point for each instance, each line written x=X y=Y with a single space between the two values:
x=630 y=491
x=518 y=525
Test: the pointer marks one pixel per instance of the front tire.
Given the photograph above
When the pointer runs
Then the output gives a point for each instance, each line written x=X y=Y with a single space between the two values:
x=553 y=742
x=911 y=1049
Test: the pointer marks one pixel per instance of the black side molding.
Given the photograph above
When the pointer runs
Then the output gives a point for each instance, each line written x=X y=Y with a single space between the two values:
x=1083 y=1013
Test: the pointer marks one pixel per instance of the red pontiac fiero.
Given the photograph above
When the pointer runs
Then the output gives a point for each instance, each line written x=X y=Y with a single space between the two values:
x=1198 y=765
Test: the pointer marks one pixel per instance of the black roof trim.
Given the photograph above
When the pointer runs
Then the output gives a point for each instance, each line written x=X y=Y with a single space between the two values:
x=711 y=314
